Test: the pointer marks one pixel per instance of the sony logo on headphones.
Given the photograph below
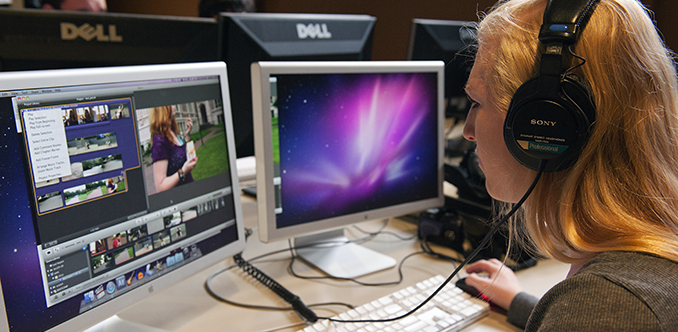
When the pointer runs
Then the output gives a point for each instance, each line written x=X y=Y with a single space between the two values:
x=313 y=30
x=70 y=31
x=536 y=122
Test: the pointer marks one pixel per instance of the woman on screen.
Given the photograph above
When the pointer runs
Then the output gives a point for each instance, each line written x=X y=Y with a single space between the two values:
x=111 y=186
x=171 y=166
x=87 y=116
x=613 y=214
x=72 y=119
x=119 y=112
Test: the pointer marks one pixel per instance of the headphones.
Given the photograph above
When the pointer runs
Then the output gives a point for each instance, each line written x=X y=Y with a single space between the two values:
x=551 y=115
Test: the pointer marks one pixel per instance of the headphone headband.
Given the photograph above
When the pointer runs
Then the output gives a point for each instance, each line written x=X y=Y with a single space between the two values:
x=564 y=20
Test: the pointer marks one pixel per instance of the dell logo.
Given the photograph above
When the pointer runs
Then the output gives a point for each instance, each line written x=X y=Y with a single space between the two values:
x=70 y=31
x=543 y=123
x=313 y=30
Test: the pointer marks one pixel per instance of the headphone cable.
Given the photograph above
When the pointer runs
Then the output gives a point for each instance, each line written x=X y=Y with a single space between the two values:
x=483 y=243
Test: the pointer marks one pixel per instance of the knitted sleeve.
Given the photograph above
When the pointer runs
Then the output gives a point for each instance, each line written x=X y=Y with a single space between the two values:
x=520 y=309
x=591 y=303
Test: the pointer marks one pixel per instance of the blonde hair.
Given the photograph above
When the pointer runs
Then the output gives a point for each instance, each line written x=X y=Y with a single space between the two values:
x=162 y=122
x=622 y=193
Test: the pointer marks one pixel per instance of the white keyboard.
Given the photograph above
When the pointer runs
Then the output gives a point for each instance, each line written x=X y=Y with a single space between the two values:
x=449 y=310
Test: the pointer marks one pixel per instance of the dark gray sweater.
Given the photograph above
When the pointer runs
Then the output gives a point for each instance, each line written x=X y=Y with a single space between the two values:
x=616 y=291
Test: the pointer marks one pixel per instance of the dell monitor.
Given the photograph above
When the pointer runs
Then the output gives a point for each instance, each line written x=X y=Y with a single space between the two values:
x=33 y=39
x=343 y=142
x=250 y=37
x=88 y=229
x=449 y=41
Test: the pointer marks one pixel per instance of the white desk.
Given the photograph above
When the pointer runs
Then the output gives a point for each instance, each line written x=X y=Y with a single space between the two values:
x=187 y=307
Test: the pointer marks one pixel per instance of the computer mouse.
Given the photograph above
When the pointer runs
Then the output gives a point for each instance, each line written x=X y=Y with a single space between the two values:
x=461 y=283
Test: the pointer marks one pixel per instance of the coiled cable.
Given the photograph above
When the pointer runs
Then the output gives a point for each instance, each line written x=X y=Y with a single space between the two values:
x=301 y=309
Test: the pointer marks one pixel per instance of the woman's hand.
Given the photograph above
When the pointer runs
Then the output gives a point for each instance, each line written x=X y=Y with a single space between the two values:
x=501 y=286
x=189 y=165
x=189 y=127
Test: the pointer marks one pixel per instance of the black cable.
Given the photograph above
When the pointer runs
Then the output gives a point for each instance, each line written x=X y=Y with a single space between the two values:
x=483 y=243
x=427 y=249
x=247 y=268
x=390 y=283
x=259 y=307
x=369 y=236
x=583 y=61
x=381 y=232
x=299 y=306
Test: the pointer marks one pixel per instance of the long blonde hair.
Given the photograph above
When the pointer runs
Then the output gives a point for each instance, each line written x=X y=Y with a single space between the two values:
x=622 y=193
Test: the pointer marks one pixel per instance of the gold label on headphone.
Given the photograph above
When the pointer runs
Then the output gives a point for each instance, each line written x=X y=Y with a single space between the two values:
x=542 y=147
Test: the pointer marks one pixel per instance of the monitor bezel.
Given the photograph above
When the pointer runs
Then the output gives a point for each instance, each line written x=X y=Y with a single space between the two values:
x=65 y=77
x=261 y=71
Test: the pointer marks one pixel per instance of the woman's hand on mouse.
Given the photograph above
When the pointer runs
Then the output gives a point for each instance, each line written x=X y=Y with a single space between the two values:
x=500 y=285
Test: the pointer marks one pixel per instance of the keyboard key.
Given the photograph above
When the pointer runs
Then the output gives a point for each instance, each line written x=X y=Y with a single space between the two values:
x=385 y=300
x=393 y=308
x=418 y=326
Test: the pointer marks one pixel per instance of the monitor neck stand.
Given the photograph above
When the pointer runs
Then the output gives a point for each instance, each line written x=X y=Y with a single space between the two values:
x=332 y=253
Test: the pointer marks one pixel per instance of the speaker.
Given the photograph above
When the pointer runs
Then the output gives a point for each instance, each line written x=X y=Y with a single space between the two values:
x=551 y=115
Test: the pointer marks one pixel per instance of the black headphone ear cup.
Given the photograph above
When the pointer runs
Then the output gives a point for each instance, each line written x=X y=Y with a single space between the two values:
x=548 y=125
x=579 y=92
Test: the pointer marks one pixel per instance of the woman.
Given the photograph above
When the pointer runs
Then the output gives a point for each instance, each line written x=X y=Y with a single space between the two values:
x=613 y=215
x=72 y=119
x=119 y=112
x=87 y=117
x=170 y=165
x=111 y=186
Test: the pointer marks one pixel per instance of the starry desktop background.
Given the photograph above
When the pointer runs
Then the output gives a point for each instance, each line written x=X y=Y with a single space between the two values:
x=19 y=265
x=355 y=142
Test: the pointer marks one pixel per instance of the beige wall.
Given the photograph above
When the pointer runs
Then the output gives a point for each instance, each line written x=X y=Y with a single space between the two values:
x=393 y=16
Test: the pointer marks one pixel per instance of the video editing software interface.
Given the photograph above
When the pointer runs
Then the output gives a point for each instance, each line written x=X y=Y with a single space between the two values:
x=78 y=162
x=352 y=142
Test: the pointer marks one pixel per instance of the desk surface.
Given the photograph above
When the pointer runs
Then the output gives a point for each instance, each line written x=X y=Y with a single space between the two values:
x=186 y=306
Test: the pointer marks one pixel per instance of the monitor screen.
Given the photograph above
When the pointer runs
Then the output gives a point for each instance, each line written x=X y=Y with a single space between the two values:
x=33 y=39
x=116 y=182
x=343 y=142
x=449 y=41
x=250 y=37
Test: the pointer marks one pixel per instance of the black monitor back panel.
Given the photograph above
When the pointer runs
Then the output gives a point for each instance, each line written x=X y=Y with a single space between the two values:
x=450 y=41
x=251 y=37
x=39 y=39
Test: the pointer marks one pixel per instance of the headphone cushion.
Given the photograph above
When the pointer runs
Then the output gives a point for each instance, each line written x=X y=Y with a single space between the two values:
x=549 y=125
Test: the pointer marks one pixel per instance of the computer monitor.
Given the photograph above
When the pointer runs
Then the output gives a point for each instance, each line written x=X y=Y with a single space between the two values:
x=451 y=42
x=343 y=142
x=250 y=37
x=33 y=39
x=86 y=229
